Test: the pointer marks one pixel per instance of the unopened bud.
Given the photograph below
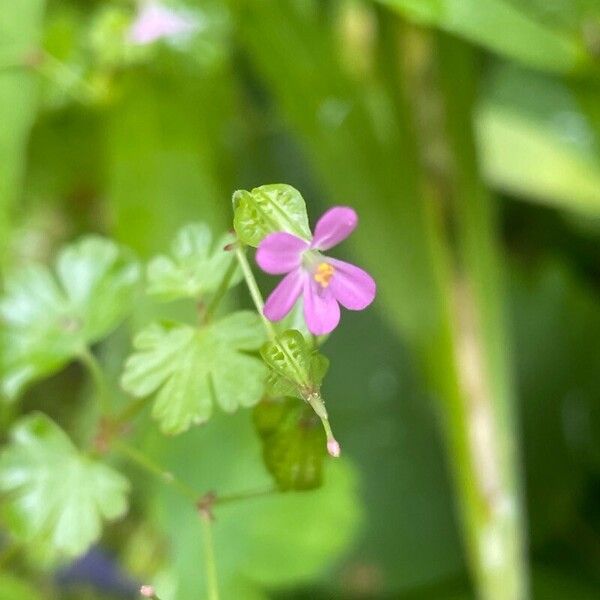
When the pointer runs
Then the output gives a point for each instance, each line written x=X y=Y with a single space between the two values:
x=147 y=591
x=333 y=447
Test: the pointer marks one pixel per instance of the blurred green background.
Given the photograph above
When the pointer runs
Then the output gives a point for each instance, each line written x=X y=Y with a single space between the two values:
x=466 y=133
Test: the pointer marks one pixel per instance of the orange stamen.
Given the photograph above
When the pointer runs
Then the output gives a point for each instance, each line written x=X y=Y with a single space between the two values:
x=323 y=274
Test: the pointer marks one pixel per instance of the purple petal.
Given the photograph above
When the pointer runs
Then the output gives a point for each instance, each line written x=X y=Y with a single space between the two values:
x=333 y=227
x=352 y=287
x=284 y=296
x=321 y=310
x=156 y=21
x=280 y=253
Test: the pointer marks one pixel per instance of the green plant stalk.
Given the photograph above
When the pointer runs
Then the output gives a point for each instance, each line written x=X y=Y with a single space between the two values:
x=491 y=498
x=250 y=495
x=148 y=465
x=90 y=362
x=210 y=565
x=254 y=290
x=221 y=290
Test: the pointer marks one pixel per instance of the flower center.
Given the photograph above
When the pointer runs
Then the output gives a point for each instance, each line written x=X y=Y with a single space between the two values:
x=323 y=274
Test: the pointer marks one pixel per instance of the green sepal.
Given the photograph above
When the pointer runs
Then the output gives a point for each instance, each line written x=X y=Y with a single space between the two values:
x=293 y=443
x=269 y=208
x=296 y=368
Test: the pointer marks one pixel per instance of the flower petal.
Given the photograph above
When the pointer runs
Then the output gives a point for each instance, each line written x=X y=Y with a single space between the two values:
x=321 y=310
x=352 y=287
x=280 y=253
x=333 y=227
x=284 y=296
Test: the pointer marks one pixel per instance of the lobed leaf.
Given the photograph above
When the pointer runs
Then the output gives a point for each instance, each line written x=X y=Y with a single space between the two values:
x=191 y=369
x=293 y=443
x=55 y=497
x=196 y=267
x=269 y=208
x=49 y=317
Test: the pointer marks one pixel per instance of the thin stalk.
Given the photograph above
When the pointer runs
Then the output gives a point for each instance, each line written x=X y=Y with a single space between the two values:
x=130 y=411
x=148 y=465
x=221 y=290
x=210 y=565
x=90 y=362
x=65 y=77
x=253 y=289
x=250 y=495
x=492 y=498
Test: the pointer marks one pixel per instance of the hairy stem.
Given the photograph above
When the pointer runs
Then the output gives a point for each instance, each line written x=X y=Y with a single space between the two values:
x=253 y=289
x=90 y=362
x=148 y=465
x=210 y=564
x=221 y=291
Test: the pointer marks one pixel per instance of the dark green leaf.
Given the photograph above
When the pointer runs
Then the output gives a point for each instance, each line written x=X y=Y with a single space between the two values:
x=269 y=208
x=190 y=369
x=293 y=442
x=49 y=318
x=197 y=265
x=54 y=497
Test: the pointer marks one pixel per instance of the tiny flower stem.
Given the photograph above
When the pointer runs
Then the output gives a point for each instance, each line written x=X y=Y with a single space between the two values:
x=253 y=289
x=147 y=464
x=220 y=500
x=210 y=565
x=209 y=313
x=90 y=362
x=315 y=400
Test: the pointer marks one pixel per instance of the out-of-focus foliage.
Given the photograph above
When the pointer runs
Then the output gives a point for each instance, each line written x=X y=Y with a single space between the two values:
x=342 y=99
x=50 y=320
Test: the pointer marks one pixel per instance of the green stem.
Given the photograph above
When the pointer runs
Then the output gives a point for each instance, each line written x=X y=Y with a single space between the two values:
x=484 y=437
x=220 y=500
x=221 y=290
x=253 y=289
x=147 y=464
x=129 y=412
x=210 y=565
x=90 y=362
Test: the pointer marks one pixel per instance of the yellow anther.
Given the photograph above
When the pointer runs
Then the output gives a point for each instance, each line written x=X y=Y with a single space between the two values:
x=323 y=274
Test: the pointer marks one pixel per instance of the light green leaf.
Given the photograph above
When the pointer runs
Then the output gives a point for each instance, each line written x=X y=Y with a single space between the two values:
x=504 y=26
x=535 y=143
x=196 y=267
x=56 y=498
x=269 y=208
x=190 y=369
x=293 y=442
x=49 y=317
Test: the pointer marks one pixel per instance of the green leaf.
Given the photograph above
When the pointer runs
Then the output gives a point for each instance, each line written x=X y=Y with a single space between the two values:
x=505 y=26
x=49 y=317
x=293 y=443
x=197 y=266
x=269 y=208
x=190 y=369
x=56 y=498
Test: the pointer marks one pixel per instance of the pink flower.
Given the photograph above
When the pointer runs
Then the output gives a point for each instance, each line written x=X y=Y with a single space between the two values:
x=324 y=282
x=156 y=21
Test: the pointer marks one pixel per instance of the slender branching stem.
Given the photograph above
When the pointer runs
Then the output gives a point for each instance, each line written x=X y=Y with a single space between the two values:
x=210 y=563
